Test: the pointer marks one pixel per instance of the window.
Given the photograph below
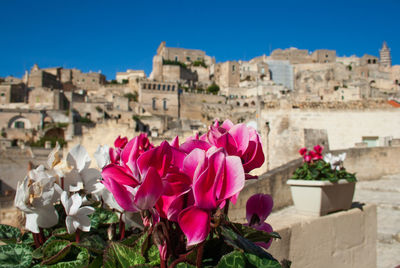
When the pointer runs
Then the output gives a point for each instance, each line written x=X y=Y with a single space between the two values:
x=370 y=141
x=154 y=86
x=83 y=80
x=188 y=58
x=233 y=68
x=326 y=55
x=176 y=58
x=154 y=104
x=168 y=87
x=163 y=87
x=262 y=70
x=19 y=124
x=144 y=86
x=93 y=80
x=198 y=58
x=3 y=94
x=158 y=86
x=173 y=88
x=165 y=104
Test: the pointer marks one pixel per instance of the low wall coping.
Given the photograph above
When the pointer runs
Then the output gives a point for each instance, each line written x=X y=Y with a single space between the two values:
x=341 y=239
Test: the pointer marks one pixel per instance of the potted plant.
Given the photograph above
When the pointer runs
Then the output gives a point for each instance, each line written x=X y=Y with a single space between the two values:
x=321 y=185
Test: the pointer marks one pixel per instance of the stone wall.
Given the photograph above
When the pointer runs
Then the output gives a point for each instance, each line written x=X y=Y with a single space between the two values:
x=342 y=239
x=344 y=128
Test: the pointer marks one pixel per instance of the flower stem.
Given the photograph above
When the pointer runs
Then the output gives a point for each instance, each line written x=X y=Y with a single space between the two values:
x=36 y=240
x=42 y=237
x=199 y=256
x=62 y=183
x=77 y=235
x=121 y=227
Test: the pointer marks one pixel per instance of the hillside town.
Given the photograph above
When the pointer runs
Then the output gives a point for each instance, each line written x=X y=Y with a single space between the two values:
x=282 y=95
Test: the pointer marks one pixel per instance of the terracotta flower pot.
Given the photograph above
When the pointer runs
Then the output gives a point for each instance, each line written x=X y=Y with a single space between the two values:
x=319 y=198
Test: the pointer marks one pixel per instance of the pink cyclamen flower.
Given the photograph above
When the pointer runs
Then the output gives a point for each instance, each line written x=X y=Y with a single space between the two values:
x=217 y=177
x=134 y=185
x=239 y=140
x=303 y=151
x=258 y=208
x=318 y=149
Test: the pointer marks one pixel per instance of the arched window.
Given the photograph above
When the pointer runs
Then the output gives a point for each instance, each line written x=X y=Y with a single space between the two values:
x=154 y=104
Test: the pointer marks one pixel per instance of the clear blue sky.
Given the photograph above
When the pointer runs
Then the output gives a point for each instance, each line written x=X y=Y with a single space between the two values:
x=113 y=36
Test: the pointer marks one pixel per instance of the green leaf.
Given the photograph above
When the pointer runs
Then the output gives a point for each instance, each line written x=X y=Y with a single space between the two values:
x=55 y=251
x=153 y=255
x=102 y=216
x=15 y=255
x=27 y=238
x=119 y=255
x=261 y=262
x=234 y=259
x=129 y=241
x=184 y=265
x=9 y=234
x=76 y=258
x=214 y=249
x=97 y=262
x=253 y=234
x=63 y=234
x=239 y=242
x=93 y=243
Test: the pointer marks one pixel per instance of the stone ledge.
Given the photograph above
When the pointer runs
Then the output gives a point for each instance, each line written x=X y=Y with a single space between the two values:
x=341 y=239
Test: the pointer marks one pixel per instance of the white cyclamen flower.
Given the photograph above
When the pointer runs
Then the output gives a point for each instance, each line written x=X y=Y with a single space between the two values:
x=77 y=174
x=335 y=161
x=102 y=156
x=77 y=217
x=35 y=196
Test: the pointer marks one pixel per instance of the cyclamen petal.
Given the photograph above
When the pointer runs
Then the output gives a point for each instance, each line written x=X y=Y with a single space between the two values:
x=234 y=180
x=206 y=186
x=78 y=158
x=149 y=191
x=122 y=194
x=195 y=224
x=119 y=174
x=241 y=135
x=159 y=158
x=266 y=228
x=259 y=204
x=194 y=163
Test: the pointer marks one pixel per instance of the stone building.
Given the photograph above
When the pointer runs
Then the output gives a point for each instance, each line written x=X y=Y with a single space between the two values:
x=227 y=76
x=41 y=78
x=130 y=75
x=159 y=98
x=45 y=98
x=384 y=55
x=12 y=93
x=293 y=55
x=324 y=56
x=185 y=66
x=369 y=60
